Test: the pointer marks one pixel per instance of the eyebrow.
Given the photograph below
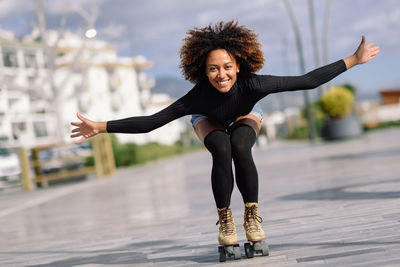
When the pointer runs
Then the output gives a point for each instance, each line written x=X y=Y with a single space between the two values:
x=217 y=64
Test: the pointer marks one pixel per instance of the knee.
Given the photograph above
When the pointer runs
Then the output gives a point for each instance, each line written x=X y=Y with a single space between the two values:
x=239 y=146
x=242 y=140
x=218 y=143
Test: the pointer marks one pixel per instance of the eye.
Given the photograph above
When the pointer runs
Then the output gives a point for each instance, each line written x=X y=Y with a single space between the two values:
x=212 y=69
x=228 y=67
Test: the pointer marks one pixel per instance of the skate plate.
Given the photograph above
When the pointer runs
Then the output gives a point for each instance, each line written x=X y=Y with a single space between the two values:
x=258 y=247
x=229 y=251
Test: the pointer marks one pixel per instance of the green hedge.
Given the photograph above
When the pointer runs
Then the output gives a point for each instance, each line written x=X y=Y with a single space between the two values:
x=132 y=154
x=383 y=125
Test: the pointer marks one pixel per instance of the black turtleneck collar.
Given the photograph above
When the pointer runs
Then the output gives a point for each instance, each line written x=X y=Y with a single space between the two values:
x=215 y=92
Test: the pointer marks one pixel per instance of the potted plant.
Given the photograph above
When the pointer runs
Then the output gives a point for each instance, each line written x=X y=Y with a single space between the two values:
x=339 y=122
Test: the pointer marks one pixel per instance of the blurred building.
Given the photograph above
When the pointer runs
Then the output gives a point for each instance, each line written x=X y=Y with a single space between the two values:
x=88 y=77
x=390 y=96
x=25 y=113
x=373 y=113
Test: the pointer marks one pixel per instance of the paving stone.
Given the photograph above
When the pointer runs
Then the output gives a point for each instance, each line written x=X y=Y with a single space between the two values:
x=323 y=204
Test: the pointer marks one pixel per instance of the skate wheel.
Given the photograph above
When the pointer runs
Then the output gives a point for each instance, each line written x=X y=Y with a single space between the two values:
x=264 y=248
x=261 y=247
x=265 y=251
x=229 y=251
x=248 y=248
x=236 y=252
x=222 y=255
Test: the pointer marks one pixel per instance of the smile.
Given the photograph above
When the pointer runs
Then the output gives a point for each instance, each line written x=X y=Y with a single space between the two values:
x=222 y=83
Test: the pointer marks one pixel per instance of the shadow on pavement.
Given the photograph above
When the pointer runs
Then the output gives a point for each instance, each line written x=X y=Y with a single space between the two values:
x=115 y=257
x=331 y=244
x=128 y=256
x=356 y=251
x=361 y=155
x=345 y=193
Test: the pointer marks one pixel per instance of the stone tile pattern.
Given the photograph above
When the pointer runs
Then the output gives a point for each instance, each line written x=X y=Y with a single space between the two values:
x=323 y=204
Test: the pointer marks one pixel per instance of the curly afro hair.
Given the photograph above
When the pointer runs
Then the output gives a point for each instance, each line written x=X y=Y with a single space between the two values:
x=239 y=41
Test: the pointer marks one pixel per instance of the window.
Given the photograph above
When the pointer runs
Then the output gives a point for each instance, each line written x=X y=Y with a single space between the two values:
x=10 y=58
x=40 y=129
x=18 y=128
x=30 y=59
x=12 y=101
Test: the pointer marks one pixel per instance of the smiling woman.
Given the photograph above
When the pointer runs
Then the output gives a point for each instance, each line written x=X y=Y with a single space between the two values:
x=221 y=60
x=239 y=41
x=221 y=70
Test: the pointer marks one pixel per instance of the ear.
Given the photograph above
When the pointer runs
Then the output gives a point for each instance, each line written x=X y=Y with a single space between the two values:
x=237 y=67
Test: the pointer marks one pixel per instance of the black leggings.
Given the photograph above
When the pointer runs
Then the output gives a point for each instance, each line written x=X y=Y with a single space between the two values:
x=237 y=146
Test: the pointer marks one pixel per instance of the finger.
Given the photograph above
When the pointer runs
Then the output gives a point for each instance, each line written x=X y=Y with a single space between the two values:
x=75 y=135
x=376 y=48
x=374 y=54
x=362 y=40
x=370 y=45
x=76 y=130
x=80 y=140
x=81 y=117
x=76 y=123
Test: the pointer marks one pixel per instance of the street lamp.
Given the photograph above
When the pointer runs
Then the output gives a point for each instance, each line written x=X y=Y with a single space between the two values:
x=90 y=33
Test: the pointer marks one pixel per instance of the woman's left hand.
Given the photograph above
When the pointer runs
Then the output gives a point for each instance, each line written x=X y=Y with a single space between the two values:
x=364 y=52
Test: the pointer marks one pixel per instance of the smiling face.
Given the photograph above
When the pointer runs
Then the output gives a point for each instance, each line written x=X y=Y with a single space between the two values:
x=221 y=69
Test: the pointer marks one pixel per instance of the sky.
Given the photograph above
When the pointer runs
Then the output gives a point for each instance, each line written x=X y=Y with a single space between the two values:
x=156 y=28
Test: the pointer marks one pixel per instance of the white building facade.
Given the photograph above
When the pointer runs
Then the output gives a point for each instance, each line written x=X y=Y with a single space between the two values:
x=25 y=115
x=88 y=77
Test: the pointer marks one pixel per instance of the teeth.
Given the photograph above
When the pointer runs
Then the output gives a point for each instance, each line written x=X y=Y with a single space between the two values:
x=222 y=83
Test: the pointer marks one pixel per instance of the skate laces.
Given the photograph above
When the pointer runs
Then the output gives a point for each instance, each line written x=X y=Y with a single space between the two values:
x=252 y=219
x=226 y=221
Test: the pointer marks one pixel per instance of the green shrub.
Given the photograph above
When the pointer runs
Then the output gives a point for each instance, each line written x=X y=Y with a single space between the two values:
x=298 y=133
x=316 y=110
x=337 y=102
x=383 y=125
x=131 y=154
x=351 y=88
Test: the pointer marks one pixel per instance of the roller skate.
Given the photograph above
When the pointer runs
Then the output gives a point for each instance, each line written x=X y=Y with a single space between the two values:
x=254 y=233
x=227 y=237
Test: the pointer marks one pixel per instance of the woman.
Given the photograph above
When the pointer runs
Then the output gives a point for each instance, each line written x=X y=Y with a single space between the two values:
x=221 y=60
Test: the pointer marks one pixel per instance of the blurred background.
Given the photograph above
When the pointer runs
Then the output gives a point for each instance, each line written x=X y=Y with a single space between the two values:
x=120 y=58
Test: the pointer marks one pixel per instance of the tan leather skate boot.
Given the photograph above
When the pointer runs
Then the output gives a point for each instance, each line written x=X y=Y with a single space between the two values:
x=227 y=229
x=252 y=222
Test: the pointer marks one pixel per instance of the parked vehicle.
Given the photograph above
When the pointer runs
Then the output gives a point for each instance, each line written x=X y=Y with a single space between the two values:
x=10 y=170
x=57 y=159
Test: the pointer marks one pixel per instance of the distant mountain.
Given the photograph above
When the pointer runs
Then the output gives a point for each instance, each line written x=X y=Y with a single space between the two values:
x=174 y=87
x=367 y=96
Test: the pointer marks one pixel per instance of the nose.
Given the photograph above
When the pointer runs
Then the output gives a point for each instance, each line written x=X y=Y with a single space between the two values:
x=221 y=74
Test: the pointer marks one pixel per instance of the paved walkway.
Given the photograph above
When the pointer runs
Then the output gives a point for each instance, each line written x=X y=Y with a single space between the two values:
x=328 y=204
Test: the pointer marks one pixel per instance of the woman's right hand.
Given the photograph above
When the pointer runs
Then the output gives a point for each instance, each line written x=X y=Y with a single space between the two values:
x=87 y=128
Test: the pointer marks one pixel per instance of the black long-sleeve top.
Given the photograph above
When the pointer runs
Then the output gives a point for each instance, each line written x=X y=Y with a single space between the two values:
x=224 y=108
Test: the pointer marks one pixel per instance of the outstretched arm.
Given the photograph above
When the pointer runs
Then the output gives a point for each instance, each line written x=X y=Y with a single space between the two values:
x=139 y=124
x=266 y=84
